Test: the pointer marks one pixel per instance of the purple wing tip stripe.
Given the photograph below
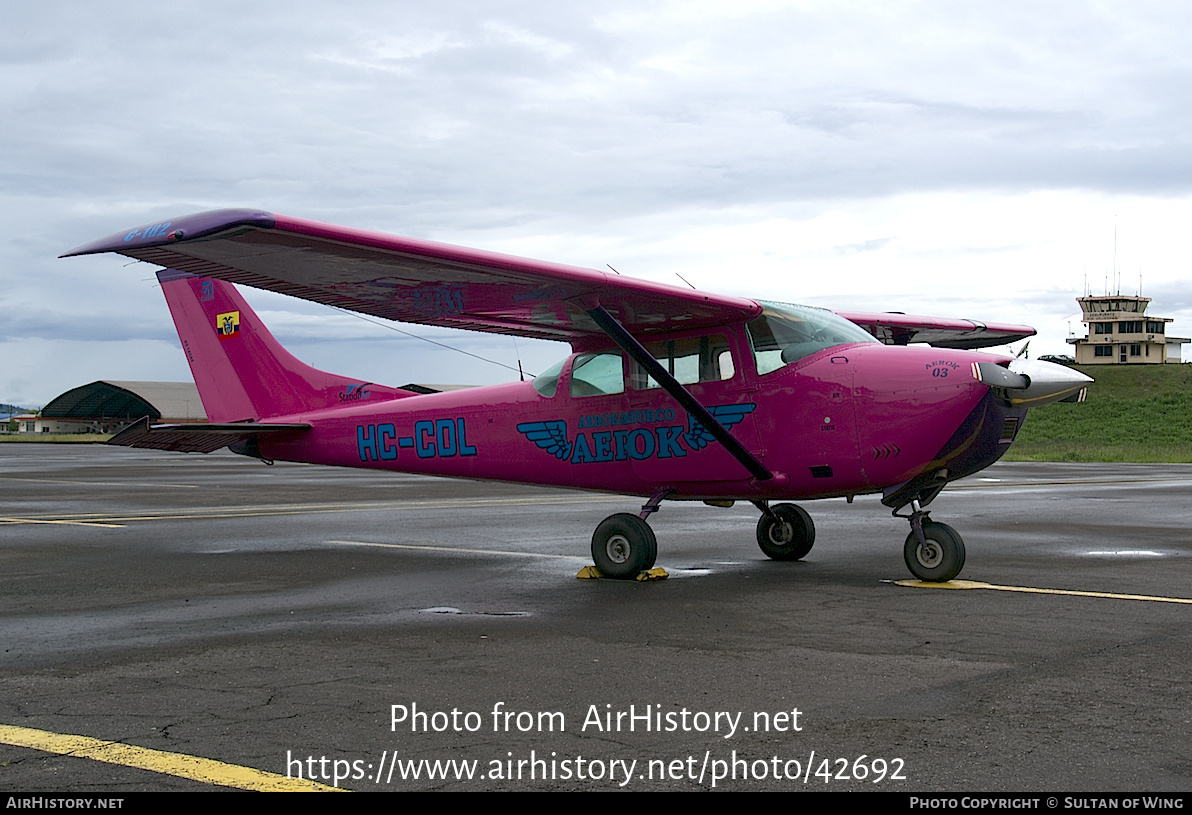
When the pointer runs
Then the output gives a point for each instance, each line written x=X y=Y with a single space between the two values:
x=187 y=227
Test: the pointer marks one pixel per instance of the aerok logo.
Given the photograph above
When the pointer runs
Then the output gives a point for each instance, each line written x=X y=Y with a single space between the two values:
x=673 y=441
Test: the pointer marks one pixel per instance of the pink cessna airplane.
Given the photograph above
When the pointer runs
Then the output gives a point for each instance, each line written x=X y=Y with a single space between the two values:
x=669 y=393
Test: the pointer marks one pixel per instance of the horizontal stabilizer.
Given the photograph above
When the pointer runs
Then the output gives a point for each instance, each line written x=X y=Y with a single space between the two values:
x=196 y=438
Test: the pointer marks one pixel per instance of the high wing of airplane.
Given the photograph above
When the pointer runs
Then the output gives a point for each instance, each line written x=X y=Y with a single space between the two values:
x=669 y=393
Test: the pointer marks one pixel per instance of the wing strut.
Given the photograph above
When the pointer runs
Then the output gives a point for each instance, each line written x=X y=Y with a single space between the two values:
x=608 y=323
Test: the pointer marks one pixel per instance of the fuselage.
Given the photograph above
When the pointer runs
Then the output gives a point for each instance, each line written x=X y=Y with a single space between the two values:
x=841 y=419
x=669 y=393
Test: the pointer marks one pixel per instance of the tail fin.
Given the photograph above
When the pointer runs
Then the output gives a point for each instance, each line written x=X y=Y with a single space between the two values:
x=242 y=372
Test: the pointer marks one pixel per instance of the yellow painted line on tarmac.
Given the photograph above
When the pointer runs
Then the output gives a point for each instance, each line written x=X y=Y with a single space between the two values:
x=455 y=550
x=221 y=514
x=216 y=513
x=98 y=483
x=975 y=584
x=204 y=770
x=1009 y=483
x=59 y=521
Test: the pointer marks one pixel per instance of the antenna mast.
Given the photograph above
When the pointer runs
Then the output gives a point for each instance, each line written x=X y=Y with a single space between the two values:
x=1117 y=279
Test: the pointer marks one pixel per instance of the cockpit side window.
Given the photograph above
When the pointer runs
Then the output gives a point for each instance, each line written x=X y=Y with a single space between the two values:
x=786 y=333
x=597 y=375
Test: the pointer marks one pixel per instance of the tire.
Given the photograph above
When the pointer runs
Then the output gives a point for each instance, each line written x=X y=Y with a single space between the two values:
x=791 y=537
x=624 y=546
x=943 y=558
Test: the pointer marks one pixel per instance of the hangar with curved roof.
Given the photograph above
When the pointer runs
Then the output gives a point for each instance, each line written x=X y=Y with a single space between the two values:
x=108 y=406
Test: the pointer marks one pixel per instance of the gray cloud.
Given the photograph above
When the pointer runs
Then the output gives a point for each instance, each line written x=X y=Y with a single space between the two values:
x=529 y=118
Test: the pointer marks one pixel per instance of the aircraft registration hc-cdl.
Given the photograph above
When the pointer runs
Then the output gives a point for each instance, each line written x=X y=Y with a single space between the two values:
x=669 y=394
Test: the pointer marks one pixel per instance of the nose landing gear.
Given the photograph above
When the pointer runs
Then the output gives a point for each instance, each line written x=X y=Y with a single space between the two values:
x=934 y=552
x=785 y=531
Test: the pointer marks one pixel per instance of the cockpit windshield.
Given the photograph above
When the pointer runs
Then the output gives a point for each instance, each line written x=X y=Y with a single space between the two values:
x=786 y=333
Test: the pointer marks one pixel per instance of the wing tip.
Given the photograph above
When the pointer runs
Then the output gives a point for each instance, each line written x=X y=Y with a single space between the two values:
x=188 y=227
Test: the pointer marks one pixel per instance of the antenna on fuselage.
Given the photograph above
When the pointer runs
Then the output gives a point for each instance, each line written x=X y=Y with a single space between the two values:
x=521 y=375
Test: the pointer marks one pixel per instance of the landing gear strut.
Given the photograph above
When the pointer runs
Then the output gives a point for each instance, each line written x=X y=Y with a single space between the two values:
x=785 y=531
x=934 y=552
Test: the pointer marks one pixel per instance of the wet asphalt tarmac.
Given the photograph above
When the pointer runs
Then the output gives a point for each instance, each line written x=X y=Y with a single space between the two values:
x=262 y=616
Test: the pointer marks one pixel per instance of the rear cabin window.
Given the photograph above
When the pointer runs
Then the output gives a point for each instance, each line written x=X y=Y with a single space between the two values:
x=689 y=360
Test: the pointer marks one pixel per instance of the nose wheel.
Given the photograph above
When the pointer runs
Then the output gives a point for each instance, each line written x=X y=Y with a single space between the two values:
x=785 y=532
x=934 y=552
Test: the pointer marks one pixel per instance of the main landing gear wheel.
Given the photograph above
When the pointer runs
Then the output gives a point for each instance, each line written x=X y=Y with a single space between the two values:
x=941 y=559
x=624 y=546
x=790 y=536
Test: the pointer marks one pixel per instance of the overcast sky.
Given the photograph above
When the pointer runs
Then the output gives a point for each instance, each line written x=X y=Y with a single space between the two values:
x=946 y=158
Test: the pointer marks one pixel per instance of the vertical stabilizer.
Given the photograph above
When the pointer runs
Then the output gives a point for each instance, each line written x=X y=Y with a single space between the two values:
x=241 y=371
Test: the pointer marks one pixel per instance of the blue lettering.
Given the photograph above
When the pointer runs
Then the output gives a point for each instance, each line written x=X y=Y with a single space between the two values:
x=366 y=442
x=424 y=434
x=668 y=442
x=582 y=453
x=622 y=437
x=464 y=448
x=445 y=434
x=647 y=447
x=445 y=438
x=602 y=441
x=386 y=433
